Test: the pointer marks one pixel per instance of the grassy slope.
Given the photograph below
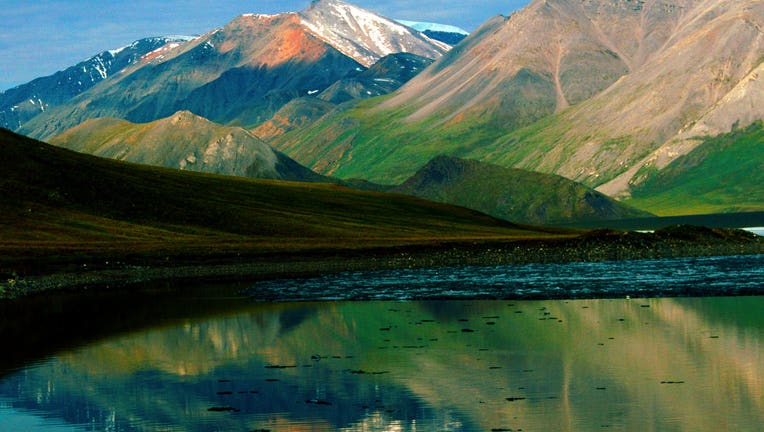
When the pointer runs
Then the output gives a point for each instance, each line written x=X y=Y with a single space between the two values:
x=513 y=194
x=382 y=146
x=377 y=145
x=363 y=142
x=58 y=207
x=724 y=174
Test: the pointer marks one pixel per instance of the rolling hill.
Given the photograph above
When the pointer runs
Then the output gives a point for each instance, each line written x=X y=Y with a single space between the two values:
x=184 y=141
x=60 y=209
x=513 y=194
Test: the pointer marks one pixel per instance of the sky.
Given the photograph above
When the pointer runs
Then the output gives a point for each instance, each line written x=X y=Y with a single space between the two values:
x=41 y=37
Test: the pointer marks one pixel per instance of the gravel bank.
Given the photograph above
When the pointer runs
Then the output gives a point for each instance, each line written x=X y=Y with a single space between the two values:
x=599 y=245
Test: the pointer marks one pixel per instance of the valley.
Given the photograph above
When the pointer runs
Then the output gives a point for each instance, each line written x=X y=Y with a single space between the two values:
x=333 y=136
x=69 y=220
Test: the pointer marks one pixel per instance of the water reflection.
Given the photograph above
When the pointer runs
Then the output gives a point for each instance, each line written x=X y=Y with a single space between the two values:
x=689 y=364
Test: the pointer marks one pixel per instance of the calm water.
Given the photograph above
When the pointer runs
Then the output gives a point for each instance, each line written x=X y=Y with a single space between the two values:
x=231 y=364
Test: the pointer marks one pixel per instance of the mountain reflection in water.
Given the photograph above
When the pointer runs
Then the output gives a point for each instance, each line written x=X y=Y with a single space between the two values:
x=691 y=364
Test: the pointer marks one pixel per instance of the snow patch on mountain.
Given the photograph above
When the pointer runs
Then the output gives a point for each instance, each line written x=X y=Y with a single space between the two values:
x=114 y=52
x=424 y=26
x=172 y=44
x=259 y=15
x=180 y=38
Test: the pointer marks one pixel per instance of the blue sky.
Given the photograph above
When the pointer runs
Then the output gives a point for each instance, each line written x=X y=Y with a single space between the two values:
x=40 y=37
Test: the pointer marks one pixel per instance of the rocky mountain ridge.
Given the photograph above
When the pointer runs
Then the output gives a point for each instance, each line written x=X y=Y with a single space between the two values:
x=609 y=93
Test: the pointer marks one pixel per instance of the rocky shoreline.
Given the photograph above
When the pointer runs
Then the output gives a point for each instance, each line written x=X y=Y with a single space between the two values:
x=598 y=245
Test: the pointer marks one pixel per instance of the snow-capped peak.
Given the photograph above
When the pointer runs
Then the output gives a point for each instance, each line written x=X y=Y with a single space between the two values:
x=364 y=35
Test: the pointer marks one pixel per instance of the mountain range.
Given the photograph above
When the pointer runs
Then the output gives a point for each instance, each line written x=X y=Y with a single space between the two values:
x=244 y=72
x=607 y=93
x=657 y=103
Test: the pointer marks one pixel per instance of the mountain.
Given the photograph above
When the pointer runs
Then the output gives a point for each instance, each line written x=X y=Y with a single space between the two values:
x=520 y=92
x=239 y=74
x=697 y=60
x=184 y=141
x=434 y=27
x=243 y=73
x=512 y=194
x=18 y=105
x=445 y=37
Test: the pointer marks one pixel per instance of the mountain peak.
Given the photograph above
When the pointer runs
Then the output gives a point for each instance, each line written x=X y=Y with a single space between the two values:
x=185 y=117
x=265 y=19
x=364 y=35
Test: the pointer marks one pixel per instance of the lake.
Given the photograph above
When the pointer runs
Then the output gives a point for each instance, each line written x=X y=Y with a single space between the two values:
x=208 y=360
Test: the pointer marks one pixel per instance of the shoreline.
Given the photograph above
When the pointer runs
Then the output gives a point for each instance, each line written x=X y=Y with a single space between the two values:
x=598 y=245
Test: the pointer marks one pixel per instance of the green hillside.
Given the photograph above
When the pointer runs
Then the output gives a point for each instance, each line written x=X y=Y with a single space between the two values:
x=724 y=174
x=58 y=208
x=375 y=144
x=513 y=194
x=367 y=142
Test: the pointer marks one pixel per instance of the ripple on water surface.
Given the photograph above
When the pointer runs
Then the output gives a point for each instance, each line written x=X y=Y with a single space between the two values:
x=729 y=275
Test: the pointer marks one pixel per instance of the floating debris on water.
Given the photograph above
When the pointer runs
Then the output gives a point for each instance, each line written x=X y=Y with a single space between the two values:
x=223 y=409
